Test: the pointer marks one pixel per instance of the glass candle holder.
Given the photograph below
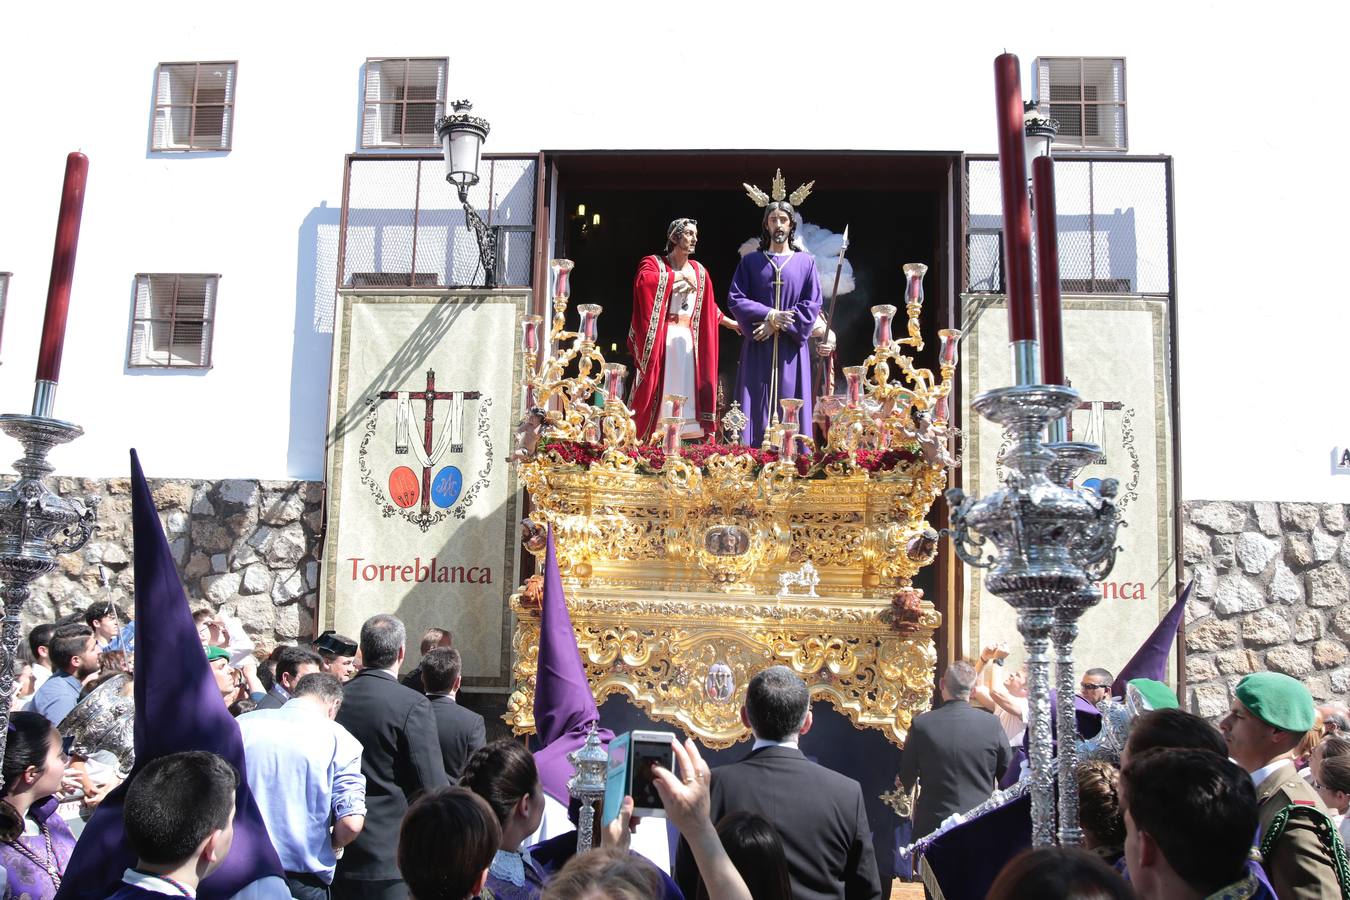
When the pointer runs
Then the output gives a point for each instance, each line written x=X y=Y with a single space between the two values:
x=562 y=278
x=529 y=333
x=792 y=412
x=949 y=349
x=590 y=321
x=853 y=376
x=914 y=273
x=614 y=375
x=882 y=316
x=941 y=410
x=673 y=406
x=788 y=451
x=670 y=443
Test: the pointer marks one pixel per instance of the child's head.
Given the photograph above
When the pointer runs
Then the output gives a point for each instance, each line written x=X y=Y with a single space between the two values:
x=180 y=807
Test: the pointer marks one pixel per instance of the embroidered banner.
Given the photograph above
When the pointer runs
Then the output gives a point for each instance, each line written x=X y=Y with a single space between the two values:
x=423 y=508
x=1115 y=354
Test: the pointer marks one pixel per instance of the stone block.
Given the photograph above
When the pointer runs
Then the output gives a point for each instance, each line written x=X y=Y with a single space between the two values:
x=198 y=564
x=201 y=503
x=172 y=495
x=1327 y=585
x=69 y=564
x=1220 y=517
x=1211 y=635
x=1196 y=610
x=287 y=621
x=177 y=522
x=220 y=563
x=245 y=554
x=259 y=537
x=257 y=613
x=1299 y=516
x=1324 y=546
x=289 y=586
x=1198 y=668
x=314 y=521
x=1329 y=654
x=1236 y=662
x=257 y=580
x=1210 y=700
x=179 y=549
x=1340 y=621
x=1307 y=626
x=1298 y=551
x=1266 y=627
x=238 y=493
x=285 y=546
x=219 y=588
x=1340 y=680
x=1206 y=581
x=1333 y=518
x=311 y=492
x=1293 y=661
x=1221 y=551
x=1267 y=518
x=1254 y=552
x=1318 y=687
x=1237 y=594
x=210 y=536
x=311 y=575
x=1285 y=586
x=282 y=509
x=118 y=485
x=1195 y=544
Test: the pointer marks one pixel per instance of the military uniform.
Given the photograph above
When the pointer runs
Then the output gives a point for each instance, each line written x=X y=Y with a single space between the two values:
x=1299 y=865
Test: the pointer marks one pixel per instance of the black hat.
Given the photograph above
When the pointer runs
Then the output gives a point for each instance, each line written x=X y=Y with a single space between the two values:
x=334 y=643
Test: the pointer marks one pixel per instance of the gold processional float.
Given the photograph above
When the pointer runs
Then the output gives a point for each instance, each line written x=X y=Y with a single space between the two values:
x=688 y=568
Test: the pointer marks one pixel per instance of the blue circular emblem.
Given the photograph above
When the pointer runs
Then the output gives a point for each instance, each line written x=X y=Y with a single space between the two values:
x=446 y=486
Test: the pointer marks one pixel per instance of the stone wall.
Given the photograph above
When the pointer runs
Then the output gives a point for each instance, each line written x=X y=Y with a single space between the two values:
x=1271 y=592
x=250 y=548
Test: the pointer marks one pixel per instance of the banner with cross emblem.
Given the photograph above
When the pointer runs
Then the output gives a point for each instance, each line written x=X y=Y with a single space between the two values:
x=1115 y=354
x=422 y=500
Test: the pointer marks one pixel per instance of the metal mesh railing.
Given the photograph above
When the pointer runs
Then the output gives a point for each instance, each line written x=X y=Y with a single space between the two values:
x=403 y=226
x=1112 y=218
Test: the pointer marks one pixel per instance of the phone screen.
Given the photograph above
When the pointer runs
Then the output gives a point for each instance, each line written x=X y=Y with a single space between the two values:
x=646 y=756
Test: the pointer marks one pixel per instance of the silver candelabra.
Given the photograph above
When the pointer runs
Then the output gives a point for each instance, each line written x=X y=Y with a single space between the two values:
x=1050 y=544
x=36 y=526
x=588 y=786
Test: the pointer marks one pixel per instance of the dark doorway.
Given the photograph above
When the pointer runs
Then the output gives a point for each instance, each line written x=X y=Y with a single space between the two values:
x=900 y=208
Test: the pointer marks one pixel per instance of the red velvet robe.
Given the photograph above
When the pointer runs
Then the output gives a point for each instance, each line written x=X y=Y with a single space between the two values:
x=647 y=345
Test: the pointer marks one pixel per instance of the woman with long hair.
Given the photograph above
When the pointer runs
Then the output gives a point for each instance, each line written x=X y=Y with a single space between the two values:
x=35 y=843
x=503 y=773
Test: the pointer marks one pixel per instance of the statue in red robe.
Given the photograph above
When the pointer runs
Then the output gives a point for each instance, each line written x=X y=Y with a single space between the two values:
x=673 y=337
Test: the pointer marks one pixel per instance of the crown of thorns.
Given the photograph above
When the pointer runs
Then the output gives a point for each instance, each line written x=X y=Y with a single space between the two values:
x=778 y=192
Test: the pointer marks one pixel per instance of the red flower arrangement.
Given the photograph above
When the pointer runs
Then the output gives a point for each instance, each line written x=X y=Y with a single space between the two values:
x=652 y=459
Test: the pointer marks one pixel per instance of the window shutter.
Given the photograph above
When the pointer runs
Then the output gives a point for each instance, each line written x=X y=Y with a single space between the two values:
x=371 y=133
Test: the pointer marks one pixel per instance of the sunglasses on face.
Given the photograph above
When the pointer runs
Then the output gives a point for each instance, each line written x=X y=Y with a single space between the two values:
x=1093 y=687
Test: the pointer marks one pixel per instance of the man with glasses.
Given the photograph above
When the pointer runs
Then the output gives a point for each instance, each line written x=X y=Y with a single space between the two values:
x=1096 y=686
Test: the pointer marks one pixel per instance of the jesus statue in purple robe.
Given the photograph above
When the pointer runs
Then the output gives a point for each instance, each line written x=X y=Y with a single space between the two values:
x=774 y=297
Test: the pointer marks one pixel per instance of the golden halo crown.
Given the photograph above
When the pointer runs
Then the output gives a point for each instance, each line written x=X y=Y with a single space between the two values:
x=778 y=192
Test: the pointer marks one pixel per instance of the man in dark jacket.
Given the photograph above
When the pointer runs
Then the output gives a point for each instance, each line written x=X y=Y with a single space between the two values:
x=461 y=730
x=401 y=757
x=817 y=812
x=955 y=753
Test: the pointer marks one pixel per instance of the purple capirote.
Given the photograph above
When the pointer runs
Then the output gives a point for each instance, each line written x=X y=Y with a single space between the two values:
x=178 y=708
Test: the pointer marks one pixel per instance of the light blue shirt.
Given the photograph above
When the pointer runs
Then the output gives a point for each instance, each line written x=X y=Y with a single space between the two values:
x=304 y=770
x=57 y=697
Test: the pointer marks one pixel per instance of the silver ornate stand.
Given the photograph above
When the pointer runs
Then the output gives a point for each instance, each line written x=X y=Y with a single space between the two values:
x=588 y=786
x=1050 y=543
x=36 y=526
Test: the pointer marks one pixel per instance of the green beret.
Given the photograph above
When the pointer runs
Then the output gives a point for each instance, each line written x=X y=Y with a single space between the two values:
x=214 y=653
x=1278 y=700
x=1155 y=694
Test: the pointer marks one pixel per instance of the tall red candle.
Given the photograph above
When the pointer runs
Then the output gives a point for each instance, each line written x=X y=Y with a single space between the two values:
x=1047 y=270
x=63 y=268
x=1012 y=164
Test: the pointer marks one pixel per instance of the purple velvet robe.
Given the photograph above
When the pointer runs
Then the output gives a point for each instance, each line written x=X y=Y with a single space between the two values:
x=750 y=300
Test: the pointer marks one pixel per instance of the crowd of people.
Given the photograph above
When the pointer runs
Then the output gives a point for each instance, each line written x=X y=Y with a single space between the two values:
x=380 y=786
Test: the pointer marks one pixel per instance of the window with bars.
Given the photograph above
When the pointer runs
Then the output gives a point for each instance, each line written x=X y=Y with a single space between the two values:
x=194 y=106
x=404 y=98
x=4 y=295
x=172 y=321
x=1086 y=95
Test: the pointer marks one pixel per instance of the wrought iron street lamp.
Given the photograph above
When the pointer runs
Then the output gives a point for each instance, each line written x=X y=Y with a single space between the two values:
x=1041 y=132
x=462 y=137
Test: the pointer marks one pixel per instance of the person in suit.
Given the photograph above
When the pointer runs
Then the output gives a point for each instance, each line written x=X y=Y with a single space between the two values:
x=432 y=639
x=461 y=730
x=955 y=753
x=1269 y=716
x=293 y=663
x=400 y=759
x=818 y=812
